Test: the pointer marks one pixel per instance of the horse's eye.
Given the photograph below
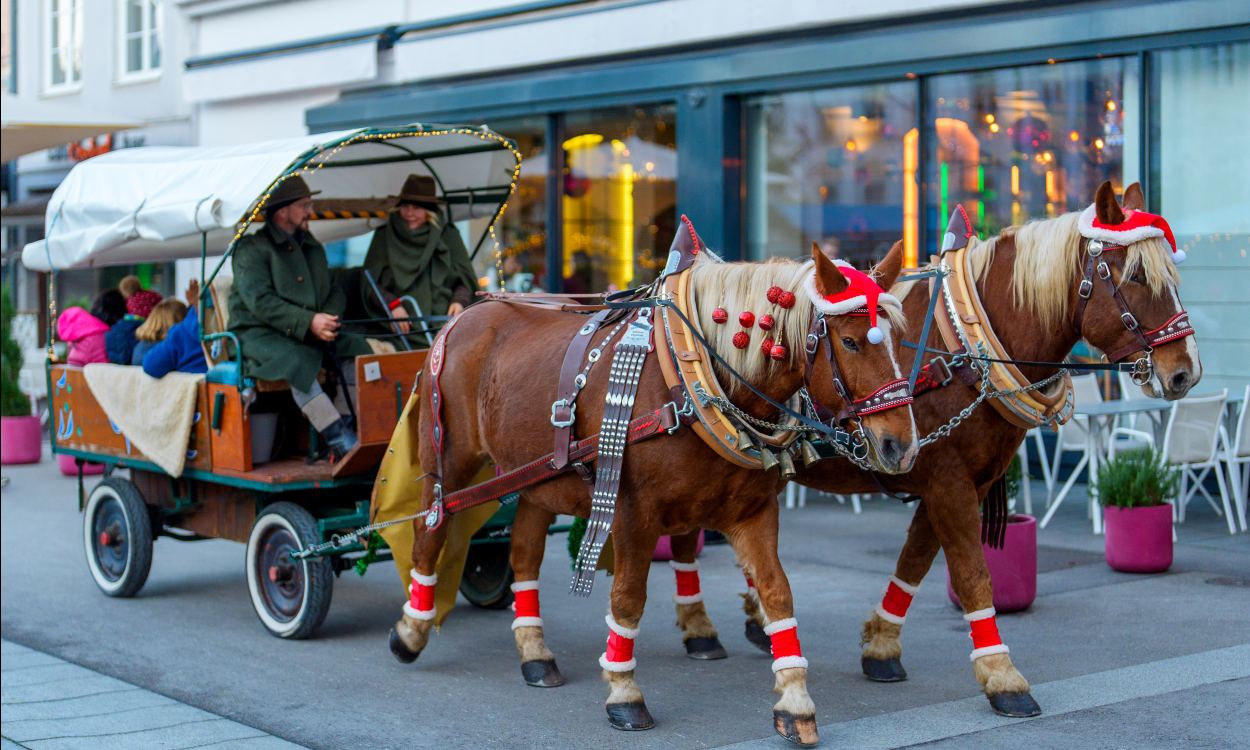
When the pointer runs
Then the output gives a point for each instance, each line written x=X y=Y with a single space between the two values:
x=849 y=344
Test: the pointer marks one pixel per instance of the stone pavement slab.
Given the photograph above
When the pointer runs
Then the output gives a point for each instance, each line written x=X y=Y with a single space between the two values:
x=51 y=704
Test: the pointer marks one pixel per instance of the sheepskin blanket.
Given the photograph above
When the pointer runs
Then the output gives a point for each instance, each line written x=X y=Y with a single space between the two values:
x=156 y=415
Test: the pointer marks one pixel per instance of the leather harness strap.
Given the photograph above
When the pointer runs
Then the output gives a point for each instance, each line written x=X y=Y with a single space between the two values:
x=564 y=408
x=658 y=422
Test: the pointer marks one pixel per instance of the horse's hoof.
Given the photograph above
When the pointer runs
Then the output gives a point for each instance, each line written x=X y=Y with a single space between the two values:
x=705 y=648
x=401 y=651
x=630 y=717
x=542 y=673
x=883 y=670
x=801 y=730
x=1014 y=705
x=756 y=635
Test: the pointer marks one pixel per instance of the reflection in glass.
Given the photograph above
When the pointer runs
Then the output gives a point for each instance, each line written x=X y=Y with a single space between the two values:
x=836 y=167
x=522 y=232
x=1032 y=142
x=619 y=196
x=1202 y=109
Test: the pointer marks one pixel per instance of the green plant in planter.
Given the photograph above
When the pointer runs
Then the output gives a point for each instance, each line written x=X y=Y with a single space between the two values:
x=1136 y=479
x=13 y=403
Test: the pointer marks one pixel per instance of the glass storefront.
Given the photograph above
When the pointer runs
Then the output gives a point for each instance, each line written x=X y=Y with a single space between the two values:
x=522 y=232
x=1032 y=142
x=619 y=196
x=836 y=167
x=1203 y=185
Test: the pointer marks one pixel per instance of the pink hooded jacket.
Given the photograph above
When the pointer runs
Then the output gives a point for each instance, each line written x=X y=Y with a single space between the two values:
x=85 y=334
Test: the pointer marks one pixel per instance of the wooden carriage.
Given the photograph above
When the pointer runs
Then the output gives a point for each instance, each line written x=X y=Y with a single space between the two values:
x=287 y=501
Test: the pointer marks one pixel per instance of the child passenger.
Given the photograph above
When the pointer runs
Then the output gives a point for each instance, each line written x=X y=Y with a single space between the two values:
x=84 y=333
x=163 y=317
x=121 y=337
x=180 y=350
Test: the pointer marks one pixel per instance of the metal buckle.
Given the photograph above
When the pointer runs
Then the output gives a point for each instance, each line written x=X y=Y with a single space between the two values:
x=1129 y=321
x=1104 y=272
x=939 y=361
x=676 y=417
x=1085 y=289
x=434 y=515
x=1143 y=369
x=562 y=404
x=813 y=338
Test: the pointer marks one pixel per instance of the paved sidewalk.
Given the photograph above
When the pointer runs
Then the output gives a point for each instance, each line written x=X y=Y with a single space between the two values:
x=51 y=704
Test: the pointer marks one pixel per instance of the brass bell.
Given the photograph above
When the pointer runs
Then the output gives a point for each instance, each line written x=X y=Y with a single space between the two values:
x=787 y=466
x=808 y=452
x=769 y=459
x=745 y=443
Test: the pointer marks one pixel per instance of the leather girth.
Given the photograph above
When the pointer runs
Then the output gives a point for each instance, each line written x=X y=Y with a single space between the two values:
x=961 y=299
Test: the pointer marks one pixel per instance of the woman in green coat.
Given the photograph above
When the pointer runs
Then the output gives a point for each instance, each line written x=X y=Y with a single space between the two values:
x=419 y=254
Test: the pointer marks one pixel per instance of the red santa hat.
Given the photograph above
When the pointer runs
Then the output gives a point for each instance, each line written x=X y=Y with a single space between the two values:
x=862 y=296
x=1137 y=226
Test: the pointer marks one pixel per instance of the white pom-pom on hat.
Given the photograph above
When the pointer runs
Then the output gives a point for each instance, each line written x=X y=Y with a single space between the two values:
x=1179 y=256
x=875 y=336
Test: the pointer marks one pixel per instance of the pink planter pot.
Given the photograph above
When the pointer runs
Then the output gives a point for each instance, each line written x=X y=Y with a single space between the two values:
x=1139 y=540
x=664 y=548
x=70 y=469
x=1013 y=569
x=21 y=440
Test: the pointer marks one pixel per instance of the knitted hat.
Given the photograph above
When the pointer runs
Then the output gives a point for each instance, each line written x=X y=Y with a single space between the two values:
x=142 y=302
x=862 y=296
x=1137 y=226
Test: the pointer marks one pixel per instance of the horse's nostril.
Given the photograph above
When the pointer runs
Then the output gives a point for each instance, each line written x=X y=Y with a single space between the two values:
x=1179 y=381
x=891 y=450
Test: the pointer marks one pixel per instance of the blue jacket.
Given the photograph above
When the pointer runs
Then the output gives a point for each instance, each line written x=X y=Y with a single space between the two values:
x=120 y=340
x=180 y=351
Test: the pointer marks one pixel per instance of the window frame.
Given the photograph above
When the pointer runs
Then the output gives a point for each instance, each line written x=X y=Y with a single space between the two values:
x=69 y=86
x=146 y=34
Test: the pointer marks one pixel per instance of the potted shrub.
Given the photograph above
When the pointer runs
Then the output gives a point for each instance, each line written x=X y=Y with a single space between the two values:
x=1134 y=489
x=1013 y=568
x=21 y=441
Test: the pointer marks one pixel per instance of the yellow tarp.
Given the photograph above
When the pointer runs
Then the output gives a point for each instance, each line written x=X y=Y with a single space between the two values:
x=397 y=493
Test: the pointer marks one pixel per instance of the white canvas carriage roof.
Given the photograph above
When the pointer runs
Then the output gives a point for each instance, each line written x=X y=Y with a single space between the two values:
x=153 y=204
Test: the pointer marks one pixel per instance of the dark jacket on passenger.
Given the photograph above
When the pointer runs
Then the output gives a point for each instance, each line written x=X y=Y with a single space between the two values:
x=120 y=340
x=180 y=351
x=280 y=282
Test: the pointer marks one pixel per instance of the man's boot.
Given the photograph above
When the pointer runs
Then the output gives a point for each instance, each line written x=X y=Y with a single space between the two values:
x=340 y=437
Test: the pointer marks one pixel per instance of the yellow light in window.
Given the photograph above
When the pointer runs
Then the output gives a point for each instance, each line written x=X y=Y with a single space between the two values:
x=1099 y=143
x=994 y=127
x=585 y=140
x=863 y=118
x=1074 y=136
x=1015 y=179
x=1048 y=157
x=649 y=166
x=824 y=192
x=1050 y=185
x=989 y=119
x=851 y=145
x=911 y=197
x=1110 y=105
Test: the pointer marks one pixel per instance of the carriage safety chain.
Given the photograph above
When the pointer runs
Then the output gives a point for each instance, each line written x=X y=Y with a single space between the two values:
x=340 y=541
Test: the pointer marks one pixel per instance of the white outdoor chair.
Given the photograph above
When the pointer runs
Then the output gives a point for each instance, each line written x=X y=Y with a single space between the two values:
x=1237 y=456
x=1073 y=437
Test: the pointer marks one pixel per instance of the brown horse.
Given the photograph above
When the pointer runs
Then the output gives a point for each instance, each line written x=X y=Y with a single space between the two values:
x=499 y=379
x=1030 y=284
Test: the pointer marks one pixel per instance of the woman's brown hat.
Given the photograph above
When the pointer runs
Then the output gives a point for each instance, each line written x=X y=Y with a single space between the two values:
x=418 y=188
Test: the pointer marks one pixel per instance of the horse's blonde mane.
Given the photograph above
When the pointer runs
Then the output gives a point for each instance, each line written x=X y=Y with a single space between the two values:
x=1048 y=252
x=739 y=287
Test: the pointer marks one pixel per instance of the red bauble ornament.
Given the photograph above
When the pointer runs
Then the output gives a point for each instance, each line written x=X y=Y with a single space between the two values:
x=720 y=315
x=767 y=322
x=779 y=352
x=767 y=346
x=746 y=319
x=773 y=294
x=786 y=300
x=741 y=339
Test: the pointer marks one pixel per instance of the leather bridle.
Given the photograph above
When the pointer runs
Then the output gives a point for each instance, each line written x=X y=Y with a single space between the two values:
x=1098 y=273
x=890 y=395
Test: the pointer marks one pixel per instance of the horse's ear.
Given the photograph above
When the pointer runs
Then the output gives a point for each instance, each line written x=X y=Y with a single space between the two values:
x=829 y=280
x=886 y=272
x=1108 y=211
x=1134 y=199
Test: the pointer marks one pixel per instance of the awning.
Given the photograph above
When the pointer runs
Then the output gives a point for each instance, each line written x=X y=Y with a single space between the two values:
x=33 y=126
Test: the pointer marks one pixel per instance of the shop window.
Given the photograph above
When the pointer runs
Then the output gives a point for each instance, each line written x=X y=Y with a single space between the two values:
x=522 y=231
x=63 y=32
x=836 y=167
x=619 y=195
x=1033 y=142
x=1201 y=183
x=139 y=44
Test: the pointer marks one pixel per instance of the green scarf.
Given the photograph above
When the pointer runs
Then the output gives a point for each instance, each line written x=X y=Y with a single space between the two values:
x=428 y=263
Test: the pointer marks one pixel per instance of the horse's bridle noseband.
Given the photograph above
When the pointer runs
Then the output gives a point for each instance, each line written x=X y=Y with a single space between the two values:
x=1176 y=327
x=891 y=395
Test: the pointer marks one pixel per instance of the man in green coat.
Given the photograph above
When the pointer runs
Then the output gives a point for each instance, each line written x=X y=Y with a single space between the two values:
x=285 y=309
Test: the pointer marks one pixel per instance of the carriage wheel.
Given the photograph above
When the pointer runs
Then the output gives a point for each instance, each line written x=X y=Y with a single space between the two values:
x=117 y=537
x=487 y=579
x=291 y=597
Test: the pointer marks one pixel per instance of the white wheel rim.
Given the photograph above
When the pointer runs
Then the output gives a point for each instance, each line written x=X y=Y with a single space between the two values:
x=100 y=494
x=274 y=625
